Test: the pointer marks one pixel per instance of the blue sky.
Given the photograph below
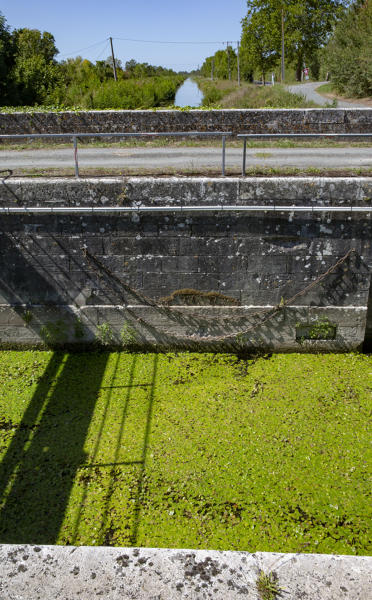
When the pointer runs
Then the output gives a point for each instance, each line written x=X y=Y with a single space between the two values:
x=81 y=23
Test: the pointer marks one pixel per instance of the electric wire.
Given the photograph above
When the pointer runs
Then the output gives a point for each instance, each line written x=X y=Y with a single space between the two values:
x=165 y=41
x=105 y=49
x=81 y=49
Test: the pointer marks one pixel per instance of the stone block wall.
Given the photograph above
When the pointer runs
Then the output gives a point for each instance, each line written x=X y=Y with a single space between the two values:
x=198 y=280
x=310 y=120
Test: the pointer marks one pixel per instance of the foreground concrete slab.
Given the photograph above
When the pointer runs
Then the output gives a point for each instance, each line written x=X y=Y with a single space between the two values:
x=66 y=572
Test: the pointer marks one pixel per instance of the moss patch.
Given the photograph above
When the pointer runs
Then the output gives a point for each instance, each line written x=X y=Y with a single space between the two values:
x=186 y=450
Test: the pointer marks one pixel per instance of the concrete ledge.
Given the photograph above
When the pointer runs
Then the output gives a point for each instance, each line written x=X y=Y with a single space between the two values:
x=145 y=191
x=66 y=573
x=180 y=327
x=268 y=120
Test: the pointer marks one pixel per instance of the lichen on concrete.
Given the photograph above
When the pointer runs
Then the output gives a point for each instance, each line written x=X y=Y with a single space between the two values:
x=63 y=573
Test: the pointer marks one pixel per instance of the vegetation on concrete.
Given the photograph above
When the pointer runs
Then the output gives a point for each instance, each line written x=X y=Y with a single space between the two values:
x=259 y=171
x=267 y=586
x=188 y=142
x=186 y=450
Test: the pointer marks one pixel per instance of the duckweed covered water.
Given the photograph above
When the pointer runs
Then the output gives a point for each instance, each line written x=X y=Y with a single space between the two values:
x=186 y=450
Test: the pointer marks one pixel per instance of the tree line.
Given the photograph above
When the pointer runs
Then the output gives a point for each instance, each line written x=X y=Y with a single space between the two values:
x=30 y=75
x=326 y=36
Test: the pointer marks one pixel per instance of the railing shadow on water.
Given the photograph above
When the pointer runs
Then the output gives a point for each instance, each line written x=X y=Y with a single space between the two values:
x=38 y=470
x=130 y=471
x=47 y=454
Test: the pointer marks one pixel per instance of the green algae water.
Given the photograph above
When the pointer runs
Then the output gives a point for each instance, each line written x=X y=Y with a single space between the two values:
x=186 y=450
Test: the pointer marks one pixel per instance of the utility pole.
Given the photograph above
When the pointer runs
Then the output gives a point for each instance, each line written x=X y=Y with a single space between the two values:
x=212 y=69
x=283 y=74
x=228 y=58
x=238 y=43
x=113 y=60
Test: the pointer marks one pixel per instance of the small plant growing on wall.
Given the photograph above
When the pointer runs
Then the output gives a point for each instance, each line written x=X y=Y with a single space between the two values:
x=267 y=586
x=78 y=329
x=128 y=334
x=54 y=332
x=27 y=317
x=105 y=335
x=321 y=329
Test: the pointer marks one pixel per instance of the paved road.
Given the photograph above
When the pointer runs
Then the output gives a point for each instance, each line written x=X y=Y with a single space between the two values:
x=309 y=91
x=186 y=158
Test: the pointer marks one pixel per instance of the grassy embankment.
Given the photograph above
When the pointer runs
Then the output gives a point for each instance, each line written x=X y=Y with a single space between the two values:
x=227 y=94
x=186 y=450
x=329 y=91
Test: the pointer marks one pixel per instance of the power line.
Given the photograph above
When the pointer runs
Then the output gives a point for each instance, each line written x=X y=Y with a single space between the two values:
x=164 y=42
x=86 y=48
x=138 y=41
x=101 y=52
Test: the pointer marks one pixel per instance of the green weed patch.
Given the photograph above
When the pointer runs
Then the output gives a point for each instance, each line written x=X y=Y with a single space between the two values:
x=186 y=450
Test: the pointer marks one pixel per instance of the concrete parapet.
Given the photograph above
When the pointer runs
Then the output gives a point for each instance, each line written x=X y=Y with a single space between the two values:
x=270 y=120
x=65 y=572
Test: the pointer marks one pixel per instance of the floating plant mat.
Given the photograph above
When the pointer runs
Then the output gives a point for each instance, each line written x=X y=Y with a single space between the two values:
x=186 y=450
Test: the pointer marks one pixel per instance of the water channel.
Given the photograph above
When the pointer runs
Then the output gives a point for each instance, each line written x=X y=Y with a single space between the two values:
x=188 y=94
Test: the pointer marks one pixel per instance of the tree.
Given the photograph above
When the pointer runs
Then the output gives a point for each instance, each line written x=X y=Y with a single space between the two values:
x=8 y=92
x=118 y=63
x=35 y=70
x=220 y=64
x=348 y=56
x=260 y=41
x=308 y=24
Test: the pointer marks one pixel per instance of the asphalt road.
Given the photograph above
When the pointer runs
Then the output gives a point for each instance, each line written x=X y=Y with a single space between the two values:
x=309 y=91
x=186 y=158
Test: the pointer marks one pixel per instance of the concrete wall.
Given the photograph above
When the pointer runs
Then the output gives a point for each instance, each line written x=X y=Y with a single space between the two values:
x=311 y=120
x=73 y=278
x=90 y=573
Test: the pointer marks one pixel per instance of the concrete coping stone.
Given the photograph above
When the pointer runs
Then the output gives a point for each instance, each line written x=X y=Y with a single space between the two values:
x=66 y=572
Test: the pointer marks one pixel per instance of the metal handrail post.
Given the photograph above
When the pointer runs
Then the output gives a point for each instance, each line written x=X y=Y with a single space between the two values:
x=76 y=156
x=244 y=156
x=223 y=154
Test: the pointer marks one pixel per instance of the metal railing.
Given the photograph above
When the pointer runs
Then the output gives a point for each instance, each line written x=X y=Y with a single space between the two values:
x=232 y=208
x=247 y=136
x=76 y=136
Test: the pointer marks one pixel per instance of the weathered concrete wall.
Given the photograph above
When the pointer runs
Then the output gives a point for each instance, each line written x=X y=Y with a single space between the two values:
x=71 y=278
x=310 y=120
x=65 y=572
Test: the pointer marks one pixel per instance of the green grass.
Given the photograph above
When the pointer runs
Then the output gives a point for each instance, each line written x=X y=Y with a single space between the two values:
x=326 y=88
x=227 y=94
x=188 y=142
x=186 y=450
x=191 y=171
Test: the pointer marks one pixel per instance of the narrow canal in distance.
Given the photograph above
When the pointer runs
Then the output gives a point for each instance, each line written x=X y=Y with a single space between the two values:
x=188 y=94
